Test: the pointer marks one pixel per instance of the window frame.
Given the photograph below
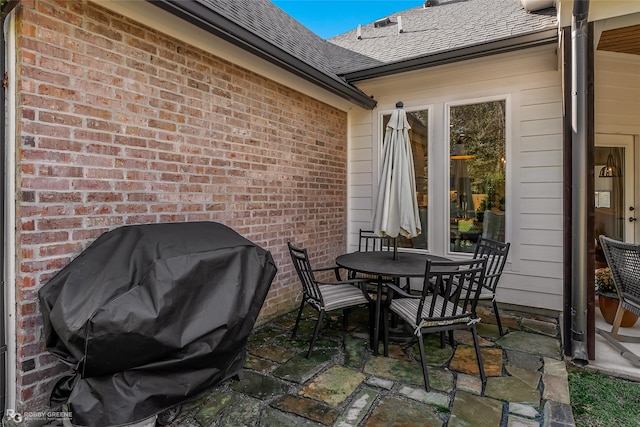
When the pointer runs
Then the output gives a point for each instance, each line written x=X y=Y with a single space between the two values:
x=377 y=159
x=508 y=190
x=438 y=171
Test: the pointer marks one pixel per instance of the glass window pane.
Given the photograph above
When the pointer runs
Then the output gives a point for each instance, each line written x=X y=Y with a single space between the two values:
x=477 y=174
x=418 y=120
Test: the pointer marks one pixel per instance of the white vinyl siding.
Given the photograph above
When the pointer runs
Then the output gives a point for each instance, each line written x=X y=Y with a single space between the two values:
x=617 y=93
x=531 y=84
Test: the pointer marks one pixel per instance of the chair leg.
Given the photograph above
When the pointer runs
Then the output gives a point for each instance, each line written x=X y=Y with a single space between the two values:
x=423 y=360
x=315 y=332
x=495 y=310
x=617 y=321
x=476 y=344
x=295 y=328
x=372 y=316
x=385 y=329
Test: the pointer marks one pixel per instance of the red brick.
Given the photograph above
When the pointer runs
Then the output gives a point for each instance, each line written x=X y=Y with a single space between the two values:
x=154 y=130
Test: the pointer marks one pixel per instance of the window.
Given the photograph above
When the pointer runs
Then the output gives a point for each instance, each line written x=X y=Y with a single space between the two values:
x=470 y=200
x=477 y=199
x=418 y=120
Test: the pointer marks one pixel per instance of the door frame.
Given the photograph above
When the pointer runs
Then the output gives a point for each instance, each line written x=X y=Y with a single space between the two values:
x=628 y=141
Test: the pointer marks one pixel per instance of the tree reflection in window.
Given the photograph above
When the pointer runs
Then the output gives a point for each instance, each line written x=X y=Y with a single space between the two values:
x=477 y=173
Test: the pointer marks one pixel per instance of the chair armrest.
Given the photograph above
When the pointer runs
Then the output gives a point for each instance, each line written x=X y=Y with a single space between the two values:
x=344 y=282
x=335 y=269
x=393 y=289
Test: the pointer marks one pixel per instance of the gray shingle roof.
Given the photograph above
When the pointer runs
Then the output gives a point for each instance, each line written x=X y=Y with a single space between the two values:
x=449 y=25
x=265 y=29
x=275 y=26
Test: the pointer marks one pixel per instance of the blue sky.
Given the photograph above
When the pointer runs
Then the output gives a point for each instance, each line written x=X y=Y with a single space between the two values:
x=328 y=18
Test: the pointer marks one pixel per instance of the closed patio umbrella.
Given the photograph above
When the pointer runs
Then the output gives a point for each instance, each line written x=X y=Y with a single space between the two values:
x=396 y=210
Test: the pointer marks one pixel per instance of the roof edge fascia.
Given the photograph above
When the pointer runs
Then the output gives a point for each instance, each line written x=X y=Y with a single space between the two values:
x=510 y=44
x=220 y=26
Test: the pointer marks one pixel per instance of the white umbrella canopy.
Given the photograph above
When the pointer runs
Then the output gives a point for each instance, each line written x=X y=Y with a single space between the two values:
x=396 y=211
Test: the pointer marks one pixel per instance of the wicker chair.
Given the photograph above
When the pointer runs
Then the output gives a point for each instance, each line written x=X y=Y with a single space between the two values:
x=325 y=296
x=443 y=306
x=624 y=261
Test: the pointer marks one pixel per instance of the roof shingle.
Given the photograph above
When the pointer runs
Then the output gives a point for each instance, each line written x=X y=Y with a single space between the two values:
x=449 y=25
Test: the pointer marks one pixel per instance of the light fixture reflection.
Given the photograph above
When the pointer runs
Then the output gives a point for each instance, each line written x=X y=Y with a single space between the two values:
x=610 y=170
x=459 y=153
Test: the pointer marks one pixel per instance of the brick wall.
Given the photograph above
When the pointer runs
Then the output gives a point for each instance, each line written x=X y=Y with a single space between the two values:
x=118 y=124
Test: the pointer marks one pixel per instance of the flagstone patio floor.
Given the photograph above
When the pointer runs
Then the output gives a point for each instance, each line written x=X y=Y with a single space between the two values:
x=344 y=384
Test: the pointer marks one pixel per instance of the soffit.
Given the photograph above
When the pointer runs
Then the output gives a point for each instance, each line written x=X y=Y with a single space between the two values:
x=621 y=40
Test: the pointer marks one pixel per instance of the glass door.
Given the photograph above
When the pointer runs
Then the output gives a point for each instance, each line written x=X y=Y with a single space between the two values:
x=616 y=211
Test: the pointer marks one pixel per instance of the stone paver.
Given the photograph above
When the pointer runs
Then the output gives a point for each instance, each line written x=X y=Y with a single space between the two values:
x=409 y=372
x=259 y=386
x=556 y=388
x=557 y=415
x=307 y=409
x=274 y=353
x=353 y=415
x=466 y=337
x=546 y=328
x=334 y=385
x=300 y=369
x=465 y=360
x=531 y=362
x=344 y=384
x=433 y=398
x=260 y=365
x=555 y=367
x=515 y=421
x=274 y=417
x=469 y=383
x=396 y=412
x=532 y=343
x=243 y=412
x=511 y=389
x=528 y=377
x=354 y=351
x=398 y=370
x=380 y=382
x=213 y=407
x=434 y=353
x=471 y=410
x=523 y=410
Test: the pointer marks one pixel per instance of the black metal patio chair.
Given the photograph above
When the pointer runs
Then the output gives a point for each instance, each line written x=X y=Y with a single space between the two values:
x=496 y=254
x=442 y=306
x=325 y=296
x=624 y=261
x=370 y=241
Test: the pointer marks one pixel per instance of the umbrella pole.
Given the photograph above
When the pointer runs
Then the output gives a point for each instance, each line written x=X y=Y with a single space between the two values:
x=395 y=248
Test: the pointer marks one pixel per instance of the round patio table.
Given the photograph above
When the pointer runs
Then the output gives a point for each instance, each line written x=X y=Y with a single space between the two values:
x=382 y=264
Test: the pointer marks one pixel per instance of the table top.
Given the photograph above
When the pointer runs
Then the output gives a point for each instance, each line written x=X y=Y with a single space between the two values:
x=408 y=264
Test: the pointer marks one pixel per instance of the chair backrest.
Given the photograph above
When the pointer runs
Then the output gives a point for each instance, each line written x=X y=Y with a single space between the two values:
x=493 y=225
x=300 y=260
x=624 y=261
x=442 y=279
x=370 y=241
x=496 y=254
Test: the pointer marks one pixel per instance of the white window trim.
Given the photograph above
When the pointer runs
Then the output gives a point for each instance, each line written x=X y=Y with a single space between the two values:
x=438 y=171
x=445 y=173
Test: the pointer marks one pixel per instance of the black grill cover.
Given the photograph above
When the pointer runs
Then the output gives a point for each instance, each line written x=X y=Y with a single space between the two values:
x=150 y=315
